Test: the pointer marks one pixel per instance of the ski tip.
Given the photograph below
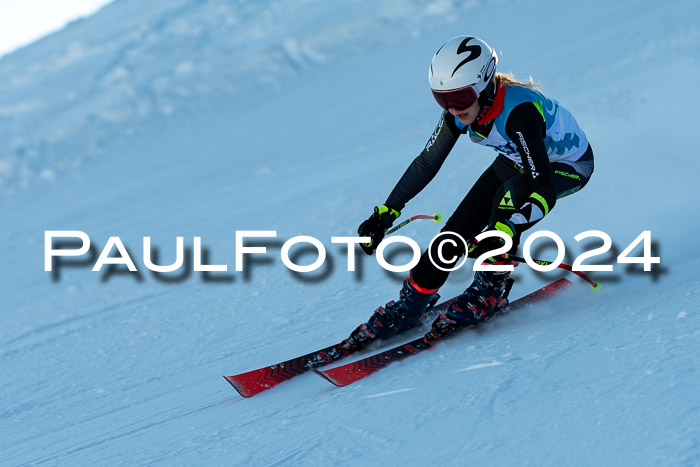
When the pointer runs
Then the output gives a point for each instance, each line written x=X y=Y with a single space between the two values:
x=327 y=377
x=344 y=375
x=323 y=375
x=239 y=389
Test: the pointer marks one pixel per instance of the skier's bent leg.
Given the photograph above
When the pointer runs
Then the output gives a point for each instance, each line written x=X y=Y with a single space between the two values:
x=435 y=264
x=426 y=278
x=403 y=313
x=395 y=316
x=486 y=295
x=416 y=294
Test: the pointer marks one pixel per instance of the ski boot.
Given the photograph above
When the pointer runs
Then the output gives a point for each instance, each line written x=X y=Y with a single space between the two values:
x=487 y=295
x=393 y=317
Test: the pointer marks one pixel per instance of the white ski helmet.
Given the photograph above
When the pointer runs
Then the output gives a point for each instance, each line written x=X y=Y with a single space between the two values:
x=462 y=71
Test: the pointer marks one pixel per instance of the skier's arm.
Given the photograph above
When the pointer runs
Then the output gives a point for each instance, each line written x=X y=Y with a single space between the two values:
x=424 y=167
x=526 y=127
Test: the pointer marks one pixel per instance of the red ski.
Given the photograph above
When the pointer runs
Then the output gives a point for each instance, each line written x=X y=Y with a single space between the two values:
x=351 y=372
x=256 y=381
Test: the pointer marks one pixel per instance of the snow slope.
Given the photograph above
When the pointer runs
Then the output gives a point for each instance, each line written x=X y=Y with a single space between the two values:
x=189 y=118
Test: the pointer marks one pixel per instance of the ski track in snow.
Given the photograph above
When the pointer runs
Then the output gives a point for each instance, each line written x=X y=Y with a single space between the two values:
x=480 y=365
x=389 y=393
x=193 y=118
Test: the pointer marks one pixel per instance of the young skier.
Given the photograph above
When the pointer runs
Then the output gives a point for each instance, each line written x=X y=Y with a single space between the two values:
x=543 y=155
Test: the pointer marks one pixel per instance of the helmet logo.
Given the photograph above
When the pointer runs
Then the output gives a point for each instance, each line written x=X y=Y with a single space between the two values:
x=474 y=53
x=490 y=68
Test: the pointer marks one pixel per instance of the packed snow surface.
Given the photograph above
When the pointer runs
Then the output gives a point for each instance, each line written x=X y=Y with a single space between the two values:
x=203 y=118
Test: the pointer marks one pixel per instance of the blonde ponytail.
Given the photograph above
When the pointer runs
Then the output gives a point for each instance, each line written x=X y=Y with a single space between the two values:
x=502 y=78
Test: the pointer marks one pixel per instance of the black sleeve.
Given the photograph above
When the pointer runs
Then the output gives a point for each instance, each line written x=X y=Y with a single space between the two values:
x=424 y=167
x=526 y=128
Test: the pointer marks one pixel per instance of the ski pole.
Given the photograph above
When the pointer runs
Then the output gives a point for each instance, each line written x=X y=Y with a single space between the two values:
x=595 y=285
x=437 y=217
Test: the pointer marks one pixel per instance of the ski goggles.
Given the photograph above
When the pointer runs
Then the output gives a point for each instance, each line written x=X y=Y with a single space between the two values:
x=458 y=99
